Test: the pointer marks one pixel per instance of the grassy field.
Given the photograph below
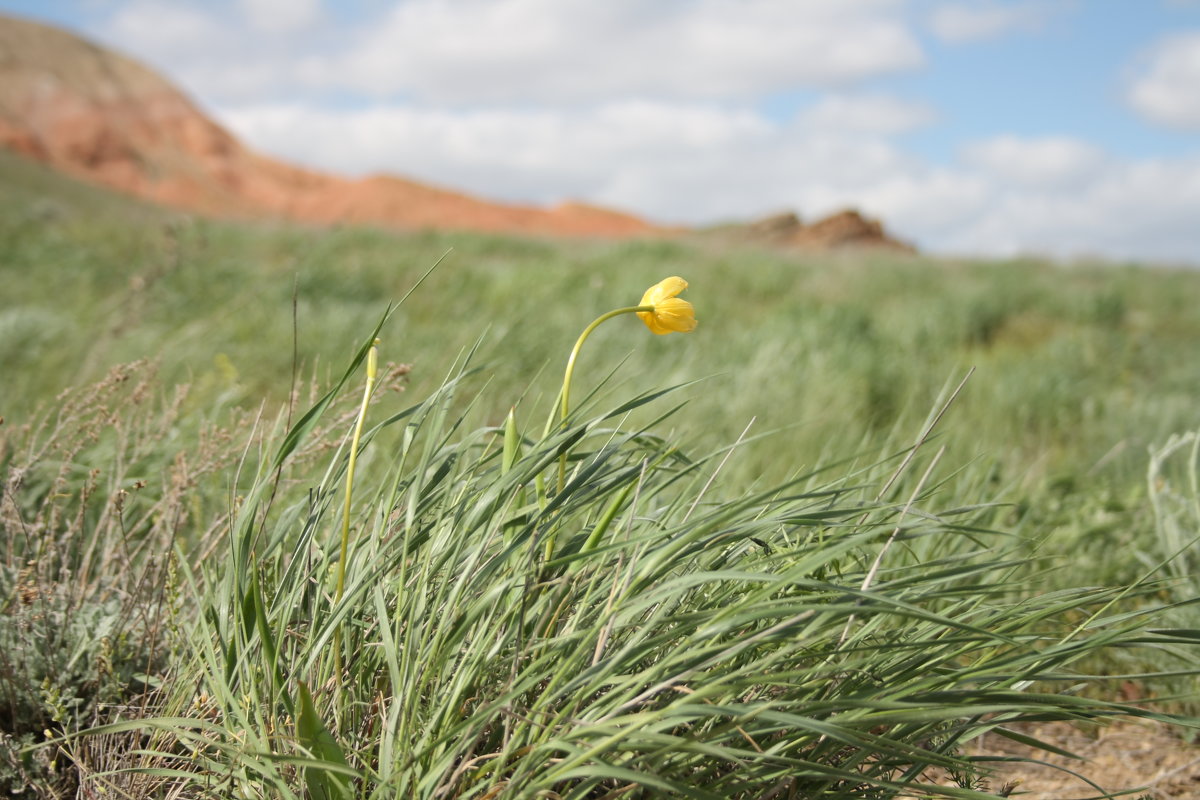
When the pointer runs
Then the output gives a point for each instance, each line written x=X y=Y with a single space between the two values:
x=808 y=613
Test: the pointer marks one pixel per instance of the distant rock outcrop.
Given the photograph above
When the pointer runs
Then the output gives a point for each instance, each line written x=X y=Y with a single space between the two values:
x=103 y=117
x=845 y=229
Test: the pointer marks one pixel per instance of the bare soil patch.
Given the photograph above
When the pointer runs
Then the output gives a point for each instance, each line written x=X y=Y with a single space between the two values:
x=1143 y=758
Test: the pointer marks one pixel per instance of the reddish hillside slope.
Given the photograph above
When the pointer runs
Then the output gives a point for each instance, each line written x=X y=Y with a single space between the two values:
x=101 y=116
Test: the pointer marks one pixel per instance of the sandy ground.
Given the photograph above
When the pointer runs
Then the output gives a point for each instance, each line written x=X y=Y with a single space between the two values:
x=1141 y=758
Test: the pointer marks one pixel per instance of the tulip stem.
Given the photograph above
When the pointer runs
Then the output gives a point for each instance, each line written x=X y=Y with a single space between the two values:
x=565 y=394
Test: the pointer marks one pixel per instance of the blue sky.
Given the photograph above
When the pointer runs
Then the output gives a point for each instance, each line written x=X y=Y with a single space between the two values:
x=1061 y=127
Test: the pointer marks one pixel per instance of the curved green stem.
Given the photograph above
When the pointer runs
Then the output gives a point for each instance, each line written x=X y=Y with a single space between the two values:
x=565 y=394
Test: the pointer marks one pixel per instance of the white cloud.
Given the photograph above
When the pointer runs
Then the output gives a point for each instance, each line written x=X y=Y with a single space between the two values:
x=161 y=29
x=931 y=205
x=1166 y=89
x=1140 y=209
x=880 y=114
x=969 y=22
x=281 y=16
x=500 y=51
x=221 y=57
x=1048 y=162
x=470 y=51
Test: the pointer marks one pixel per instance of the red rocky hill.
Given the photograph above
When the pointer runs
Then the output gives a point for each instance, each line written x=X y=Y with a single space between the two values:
x=101 y=116
x=844 y=230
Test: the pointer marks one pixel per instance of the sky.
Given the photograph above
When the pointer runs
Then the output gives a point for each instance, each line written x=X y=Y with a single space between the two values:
x=1067 y=128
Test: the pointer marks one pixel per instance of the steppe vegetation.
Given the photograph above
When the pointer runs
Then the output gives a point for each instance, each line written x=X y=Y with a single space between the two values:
x=874 y=507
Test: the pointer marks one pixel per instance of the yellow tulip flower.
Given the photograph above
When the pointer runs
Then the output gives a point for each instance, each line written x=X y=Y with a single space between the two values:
x=669 y=314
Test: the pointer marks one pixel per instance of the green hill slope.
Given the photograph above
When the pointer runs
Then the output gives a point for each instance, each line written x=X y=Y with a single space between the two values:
x=29 y=189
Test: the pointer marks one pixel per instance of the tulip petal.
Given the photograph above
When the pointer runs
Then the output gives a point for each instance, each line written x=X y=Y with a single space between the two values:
x=667 y=287
x=675 y=315
x=652 y=323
